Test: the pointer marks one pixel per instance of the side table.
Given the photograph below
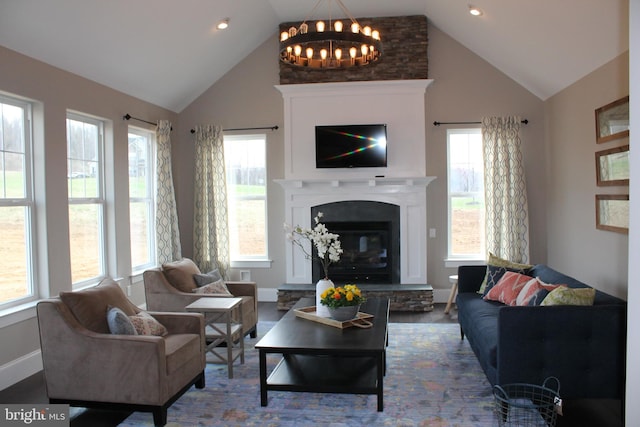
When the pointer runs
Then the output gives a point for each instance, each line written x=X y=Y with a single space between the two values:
x=229 y=332
x=453 y=279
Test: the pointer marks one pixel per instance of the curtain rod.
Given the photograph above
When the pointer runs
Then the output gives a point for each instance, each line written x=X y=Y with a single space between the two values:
x=274 y=127
x=129 y=117
x=525 y=121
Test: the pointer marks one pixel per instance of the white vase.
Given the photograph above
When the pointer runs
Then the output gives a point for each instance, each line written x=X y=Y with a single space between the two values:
x=321 y=286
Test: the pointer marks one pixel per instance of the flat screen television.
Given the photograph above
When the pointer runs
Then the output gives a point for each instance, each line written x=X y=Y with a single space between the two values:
x=351 y=146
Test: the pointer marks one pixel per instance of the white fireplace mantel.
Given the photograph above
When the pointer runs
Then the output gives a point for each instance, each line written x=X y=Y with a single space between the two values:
x=408 y=193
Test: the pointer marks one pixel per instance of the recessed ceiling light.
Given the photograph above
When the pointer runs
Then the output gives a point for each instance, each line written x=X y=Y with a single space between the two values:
x=224 y=24
x=475 y=11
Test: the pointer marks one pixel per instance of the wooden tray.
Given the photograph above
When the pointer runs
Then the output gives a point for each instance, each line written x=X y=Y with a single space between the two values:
x=363 y=320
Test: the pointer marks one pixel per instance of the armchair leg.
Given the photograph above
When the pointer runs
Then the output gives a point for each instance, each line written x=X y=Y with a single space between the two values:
x=200 y=382
x=160 y=416
x=461 y=333
x=254 y=332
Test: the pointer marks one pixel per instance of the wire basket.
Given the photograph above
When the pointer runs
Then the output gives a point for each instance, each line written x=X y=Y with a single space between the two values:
x=528 y=405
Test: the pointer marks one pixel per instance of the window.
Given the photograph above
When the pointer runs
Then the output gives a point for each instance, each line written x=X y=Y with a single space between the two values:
x=141 y=198
x=86 y=199
x=465 y=194
x=16 y=203
x=245 y=161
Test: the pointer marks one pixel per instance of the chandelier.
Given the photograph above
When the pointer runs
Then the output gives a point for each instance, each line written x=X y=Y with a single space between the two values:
x=322 y=45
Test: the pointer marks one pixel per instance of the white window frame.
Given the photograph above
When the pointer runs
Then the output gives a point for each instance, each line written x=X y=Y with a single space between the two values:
x=150 y=199
x=99 y=200
x=28 y=202
x=455 y=260
x=256 y=261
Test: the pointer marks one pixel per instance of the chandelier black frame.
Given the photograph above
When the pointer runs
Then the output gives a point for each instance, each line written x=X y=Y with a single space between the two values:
x=341 y=46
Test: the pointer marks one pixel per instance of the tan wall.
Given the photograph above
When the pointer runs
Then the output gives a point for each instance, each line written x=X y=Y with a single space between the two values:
x=57 y=91
x=465 y=88
x=575 y=246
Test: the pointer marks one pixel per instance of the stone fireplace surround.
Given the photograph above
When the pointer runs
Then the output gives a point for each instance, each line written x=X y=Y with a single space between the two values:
x=401 y=105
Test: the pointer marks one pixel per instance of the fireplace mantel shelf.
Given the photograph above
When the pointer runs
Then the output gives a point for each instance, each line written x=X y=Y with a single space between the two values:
x=421 y=181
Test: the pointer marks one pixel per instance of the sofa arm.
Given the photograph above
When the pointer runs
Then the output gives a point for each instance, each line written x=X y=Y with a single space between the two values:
x=583 y=346
x=470 y=277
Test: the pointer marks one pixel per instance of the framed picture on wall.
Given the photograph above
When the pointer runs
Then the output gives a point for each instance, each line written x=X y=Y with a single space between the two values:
x=612 y=120
x=612 y=212
x=612 y=166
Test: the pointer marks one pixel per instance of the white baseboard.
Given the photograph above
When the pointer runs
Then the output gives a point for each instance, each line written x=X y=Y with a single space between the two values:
x=20 y=368
x=441 y=296
x=268 y=294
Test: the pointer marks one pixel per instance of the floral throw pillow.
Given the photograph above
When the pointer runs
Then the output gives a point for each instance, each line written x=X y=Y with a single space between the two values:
x=218 y=287
x=145 y=324
x=508 y=288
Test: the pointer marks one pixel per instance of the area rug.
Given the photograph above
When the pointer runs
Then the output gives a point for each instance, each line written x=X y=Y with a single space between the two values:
x=433 y=379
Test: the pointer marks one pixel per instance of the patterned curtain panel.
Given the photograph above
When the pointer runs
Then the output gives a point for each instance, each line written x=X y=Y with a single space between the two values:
x=210 y=226
x=507 y=217
x=167 y=234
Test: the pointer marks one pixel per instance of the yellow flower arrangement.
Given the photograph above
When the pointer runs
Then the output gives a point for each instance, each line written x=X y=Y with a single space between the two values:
x=342 y=296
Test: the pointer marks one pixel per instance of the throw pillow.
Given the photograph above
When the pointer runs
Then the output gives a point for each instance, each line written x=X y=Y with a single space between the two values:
x=508 y=288
x=218 y=287
x=532 y=289
x=205 y=279
x=570 y=296
x=496 y=261
x=119 y=323
x=145 y=324
x=538 y=297
x=180 y=274
x=494 y=274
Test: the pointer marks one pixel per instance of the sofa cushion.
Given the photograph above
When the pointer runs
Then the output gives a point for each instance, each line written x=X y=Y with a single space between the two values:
x=180 y=274
x=496 y=261
x=494 y=274
x=89 y=306
x=570 y=296
x=532 y=290
x=119 y=323
x=508 y=287
x=146 y=324
x=205 y=279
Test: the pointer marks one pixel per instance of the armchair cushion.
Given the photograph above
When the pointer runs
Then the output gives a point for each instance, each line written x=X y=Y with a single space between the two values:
x=210 y=277
x=180 y=274
x=119 y=323
x=145 y=324
x=84 y=305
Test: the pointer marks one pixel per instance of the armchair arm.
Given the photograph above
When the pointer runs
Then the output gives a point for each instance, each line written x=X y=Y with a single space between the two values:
x=243 y=289
x=180 y=323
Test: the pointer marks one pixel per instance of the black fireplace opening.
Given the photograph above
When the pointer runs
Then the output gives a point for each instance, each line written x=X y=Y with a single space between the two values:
x=369 y=236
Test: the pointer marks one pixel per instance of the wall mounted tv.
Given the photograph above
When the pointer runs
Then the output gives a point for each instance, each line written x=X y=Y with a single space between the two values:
x=351 y=146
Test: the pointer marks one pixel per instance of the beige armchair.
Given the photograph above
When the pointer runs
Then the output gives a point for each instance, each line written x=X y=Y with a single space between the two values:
x=87 y=366
x=171 y=289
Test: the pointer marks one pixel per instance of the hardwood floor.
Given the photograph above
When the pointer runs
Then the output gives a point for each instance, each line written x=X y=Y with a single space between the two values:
x=32 y=389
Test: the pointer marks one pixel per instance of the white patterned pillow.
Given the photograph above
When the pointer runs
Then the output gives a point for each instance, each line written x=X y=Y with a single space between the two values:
x=218 y=287
x=145 y=324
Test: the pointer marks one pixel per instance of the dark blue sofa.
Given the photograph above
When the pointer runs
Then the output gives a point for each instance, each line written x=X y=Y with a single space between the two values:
x=583 y=346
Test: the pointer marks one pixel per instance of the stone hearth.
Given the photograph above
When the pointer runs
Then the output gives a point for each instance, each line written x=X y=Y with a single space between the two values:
x=401 y=297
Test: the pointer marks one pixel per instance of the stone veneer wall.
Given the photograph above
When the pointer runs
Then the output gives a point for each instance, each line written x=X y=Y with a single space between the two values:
x=404 y=44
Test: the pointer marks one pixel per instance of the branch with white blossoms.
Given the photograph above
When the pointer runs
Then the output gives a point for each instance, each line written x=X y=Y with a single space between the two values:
x=327 y=244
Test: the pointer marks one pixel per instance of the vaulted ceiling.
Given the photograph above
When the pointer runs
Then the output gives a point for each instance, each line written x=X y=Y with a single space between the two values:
x=168 y=52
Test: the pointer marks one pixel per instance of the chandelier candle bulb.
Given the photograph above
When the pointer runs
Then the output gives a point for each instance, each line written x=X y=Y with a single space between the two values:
x=283 y=36
x=355 y=28
x=337 y=26
x=320 y=26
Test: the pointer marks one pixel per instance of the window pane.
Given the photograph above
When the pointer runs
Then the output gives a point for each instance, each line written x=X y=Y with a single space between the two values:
x=14 y=280
x=83 y=155
x=139 y=215
x=86 y=241
x=466 y=193
x=245 y=158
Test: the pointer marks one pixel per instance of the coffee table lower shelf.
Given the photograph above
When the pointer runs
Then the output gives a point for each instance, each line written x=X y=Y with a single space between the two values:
x=326 y=374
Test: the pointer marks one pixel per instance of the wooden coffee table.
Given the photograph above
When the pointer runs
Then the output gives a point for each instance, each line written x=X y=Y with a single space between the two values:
x=324 y=359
